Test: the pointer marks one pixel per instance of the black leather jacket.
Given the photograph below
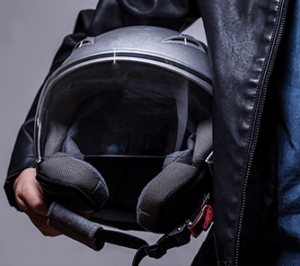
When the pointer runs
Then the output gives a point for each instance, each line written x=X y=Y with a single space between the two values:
x=244 y=40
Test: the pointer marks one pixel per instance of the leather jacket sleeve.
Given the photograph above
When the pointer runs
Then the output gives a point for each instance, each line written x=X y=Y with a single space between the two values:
x=108 y=15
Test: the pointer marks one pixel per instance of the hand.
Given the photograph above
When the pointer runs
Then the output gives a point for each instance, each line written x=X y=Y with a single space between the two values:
x=30 y=199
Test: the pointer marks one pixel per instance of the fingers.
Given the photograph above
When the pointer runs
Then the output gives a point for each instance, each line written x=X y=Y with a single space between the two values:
x=41 y=223
x=28 y=193
x=30 y=199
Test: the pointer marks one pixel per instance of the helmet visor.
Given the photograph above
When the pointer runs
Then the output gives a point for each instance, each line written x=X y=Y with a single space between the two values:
x=119 y=109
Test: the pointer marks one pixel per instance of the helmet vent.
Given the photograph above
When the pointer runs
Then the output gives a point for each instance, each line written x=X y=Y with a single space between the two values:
x=185 y=40
x=85 y=42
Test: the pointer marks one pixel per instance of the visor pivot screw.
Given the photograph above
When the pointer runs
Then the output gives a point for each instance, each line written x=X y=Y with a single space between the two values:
x=188 y=222
x=38 y=160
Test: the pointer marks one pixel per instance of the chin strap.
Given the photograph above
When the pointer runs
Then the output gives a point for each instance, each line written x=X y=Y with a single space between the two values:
x=178 y=237
x=94 y=235
x=86 y=232
x=198 y=222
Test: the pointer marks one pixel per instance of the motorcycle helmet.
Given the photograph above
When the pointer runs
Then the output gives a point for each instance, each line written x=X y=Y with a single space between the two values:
x=120 y=110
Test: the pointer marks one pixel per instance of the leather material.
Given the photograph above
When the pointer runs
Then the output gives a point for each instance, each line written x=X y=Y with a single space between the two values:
x=243 y=37
x=240 y=36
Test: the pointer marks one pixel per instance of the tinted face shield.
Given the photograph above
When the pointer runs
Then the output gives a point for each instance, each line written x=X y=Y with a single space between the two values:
x=116 y=109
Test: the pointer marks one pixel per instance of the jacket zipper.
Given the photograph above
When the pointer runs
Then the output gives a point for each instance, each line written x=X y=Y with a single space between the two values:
x=261 y=102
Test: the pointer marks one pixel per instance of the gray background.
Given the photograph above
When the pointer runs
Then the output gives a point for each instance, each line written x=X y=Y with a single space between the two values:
x=31 y=32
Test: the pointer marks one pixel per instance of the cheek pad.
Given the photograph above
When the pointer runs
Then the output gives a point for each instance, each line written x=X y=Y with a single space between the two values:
x=73 y=182
x=154 y=198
